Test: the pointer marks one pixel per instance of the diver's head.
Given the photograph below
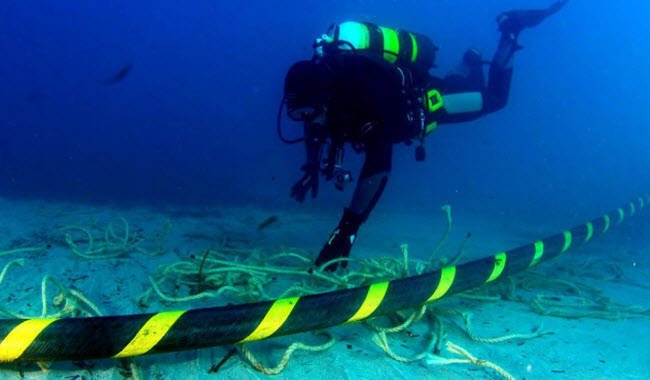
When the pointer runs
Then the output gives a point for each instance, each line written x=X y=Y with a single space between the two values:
x=306 y=89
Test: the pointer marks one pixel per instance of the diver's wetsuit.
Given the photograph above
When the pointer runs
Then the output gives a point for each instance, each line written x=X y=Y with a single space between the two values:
x=366 y=105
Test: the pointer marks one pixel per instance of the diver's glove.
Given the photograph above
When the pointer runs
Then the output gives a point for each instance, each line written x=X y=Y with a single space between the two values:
x=341 y=240
x=308 y=181
x=513 y=22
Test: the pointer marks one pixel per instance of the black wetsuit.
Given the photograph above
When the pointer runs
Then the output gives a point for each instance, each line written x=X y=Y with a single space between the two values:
x=349 y=97
x=367 y=107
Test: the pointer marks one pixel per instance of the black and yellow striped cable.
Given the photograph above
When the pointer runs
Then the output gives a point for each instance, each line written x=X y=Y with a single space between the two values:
x=133 y=335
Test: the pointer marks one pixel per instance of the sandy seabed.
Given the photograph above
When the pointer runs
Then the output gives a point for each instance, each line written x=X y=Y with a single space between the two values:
x=575 y=348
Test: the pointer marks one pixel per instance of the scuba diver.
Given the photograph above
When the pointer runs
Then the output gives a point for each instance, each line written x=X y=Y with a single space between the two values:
x=370 y=86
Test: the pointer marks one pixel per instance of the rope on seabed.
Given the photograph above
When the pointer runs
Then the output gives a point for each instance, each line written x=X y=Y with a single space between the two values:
x=256 y=363
x=114 y=244
x=468 y=359
x=70 y=301
x=24 y=250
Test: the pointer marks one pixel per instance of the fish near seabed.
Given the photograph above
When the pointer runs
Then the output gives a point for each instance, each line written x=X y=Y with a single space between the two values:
x=119 y=76
x=270 y=220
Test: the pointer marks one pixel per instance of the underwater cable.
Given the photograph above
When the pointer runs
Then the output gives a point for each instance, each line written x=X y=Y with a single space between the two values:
x=52 y=339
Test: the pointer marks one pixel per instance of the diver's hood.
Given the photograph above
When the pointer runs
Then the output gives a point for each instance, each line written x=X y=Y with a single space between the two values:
x=307 y=85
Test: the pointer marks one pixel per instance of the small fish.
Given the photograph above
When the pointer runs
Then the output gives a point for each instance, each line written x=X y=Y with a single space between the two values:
x=119 y=76
x=272 y=219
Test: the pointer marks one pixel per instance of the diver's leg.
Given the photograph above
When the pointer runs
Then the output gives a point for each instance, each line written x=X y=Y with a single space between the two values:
x=373 y=177
x=500 y=75
x=468 y=75
x=370 y=186
x=511 y=23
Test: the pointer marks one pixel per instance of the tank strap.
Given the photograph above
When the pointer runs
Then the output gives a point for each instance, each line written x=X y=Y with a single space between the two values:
x=375 y=37
x=406 y=41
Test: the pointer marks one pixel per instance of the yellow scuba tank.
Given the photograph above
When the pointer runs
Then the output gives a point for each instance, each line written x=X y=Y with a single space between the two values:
x=394 y=45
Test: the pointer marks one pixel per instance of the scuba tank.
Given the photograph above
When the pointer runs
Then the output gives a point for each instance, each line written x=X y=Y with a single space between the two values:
x=408 y=55
x=401 y=47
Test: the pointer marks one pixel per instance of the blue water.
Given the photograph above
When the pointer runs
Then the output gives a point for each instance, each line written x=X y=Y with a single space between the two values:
x=194 y=121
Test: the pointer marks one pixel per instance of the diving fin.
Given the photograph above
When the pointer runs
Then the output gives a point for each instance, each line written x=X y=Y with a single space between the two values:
x=513 y=22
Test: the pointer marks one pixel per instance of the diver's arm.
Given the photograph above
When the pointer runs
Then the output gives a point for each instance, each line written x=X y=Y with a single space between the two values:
x=313 y=144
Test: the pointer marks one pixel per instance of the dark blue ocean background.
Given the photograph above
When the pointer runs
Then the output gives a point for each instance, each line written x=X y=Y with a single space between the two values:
x=194 y=121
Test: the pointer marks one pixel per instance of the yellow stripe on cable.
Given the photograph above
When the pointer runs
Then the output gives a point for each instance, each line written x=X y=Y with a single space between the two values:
x=567 y=241
x=606 y=219
x=499 y=264
x=375 y=295
x=539 y=252
x=641 y=203
x=274 y=319
x=151 y=333
x=621 y=215
x=20 y=337
x=632 y=209
x=447 y=276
